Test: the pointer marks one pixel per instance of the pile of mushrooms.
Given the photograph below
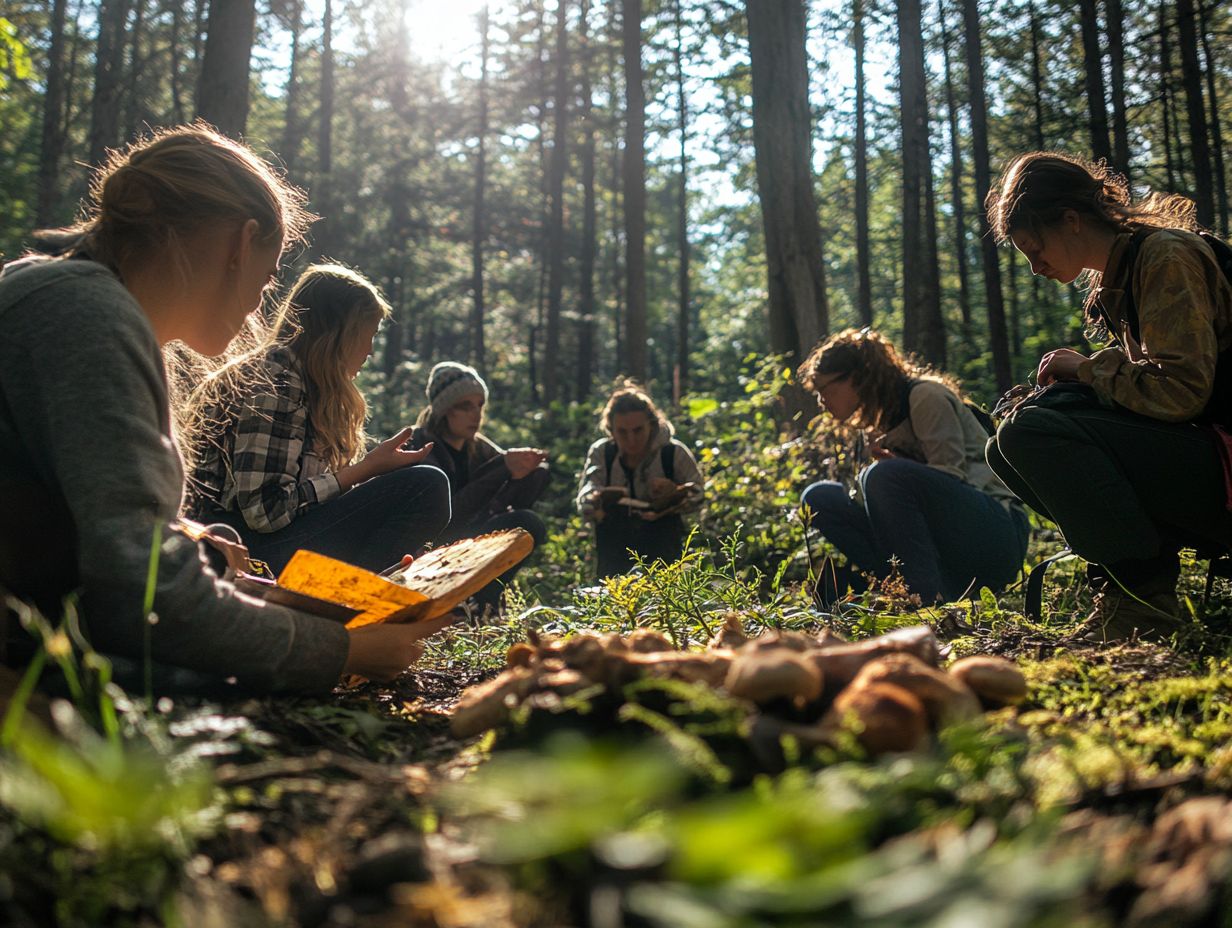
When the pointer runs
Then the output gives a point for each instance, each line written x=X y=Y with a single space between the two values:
x=888 y=692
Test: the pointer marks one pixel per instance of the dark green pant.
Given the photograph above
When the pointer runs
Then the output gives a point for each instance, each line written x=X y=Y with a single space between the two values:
x=1123 y=488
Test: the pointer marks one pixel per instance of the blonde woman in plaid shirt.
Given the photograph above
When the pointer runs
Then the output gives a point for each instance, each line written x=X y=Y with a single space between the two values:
x=279 y=450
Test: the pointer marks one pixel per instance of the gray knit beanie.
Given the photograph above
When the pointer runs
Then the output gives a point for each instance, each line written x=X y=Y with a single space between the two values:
x=448 y=382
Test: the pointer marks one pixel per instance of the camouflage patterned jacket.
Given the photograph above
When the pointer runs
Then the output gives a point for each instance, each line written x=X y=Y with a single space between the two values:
x=1185 y=321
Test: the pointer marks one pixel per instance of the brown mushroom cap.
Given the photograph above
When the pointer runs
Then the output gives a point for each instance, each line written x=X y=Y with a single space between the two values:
x=767 y=674
x=883 y=717
x=648 y=641
x=946 y=699
x=489 y=704
x=996 y=681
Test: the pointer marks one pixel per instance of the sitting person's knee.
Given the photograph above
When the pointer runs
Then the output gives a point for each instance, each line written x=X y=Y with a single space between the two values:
x=891 y=472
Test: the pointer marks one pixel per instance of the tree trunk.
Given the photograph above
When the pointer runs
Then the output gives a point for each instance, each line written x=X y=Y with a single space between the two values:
x=133 y=111
x=1221 y=182
x=323 y=192
x=222 y=90
x=1165 y=94
x=1116 y=53
x=586 y=269
x=478 y=348
x=108 y=69
x=51 y=148
x=1097 y=103
x=956 y=184
x=292 y=128
x=864 y=283
x=556 y=192
x=681 y=379
x=1015 y=316
x=537 y=323
x=997 y=336
x=1037 y=81
x=617 y=208
x=1195 y=108
x=923 y=329
x=634 y=190
x=177 y=63
x=782 y=140
x=399 y=231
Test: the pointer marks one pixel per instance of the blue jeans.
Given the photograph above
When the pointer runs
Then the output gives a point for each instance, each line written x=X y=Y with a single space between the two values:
x=948 y=537
x=371 y=525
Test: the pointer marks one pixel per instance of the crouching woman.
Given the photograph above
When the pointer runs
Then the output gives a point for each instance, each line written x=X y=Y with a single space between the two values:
x=637 y=483
x=929 y=500
x=1122 y=449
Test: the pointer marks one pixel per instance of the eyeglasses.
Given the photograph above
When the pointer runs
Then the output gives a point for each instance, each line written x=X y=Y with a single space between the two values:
x=819 y=389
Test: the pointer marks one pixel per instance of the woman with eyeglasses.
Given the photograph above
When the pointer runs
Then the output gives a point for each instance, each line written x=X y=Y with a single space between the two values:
x=929 y=500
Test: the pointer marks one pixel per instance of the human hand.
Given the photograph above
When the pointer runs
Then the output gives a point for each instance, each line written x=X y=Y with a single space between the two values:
x=235 y=554
x=1061 y=364
x=381 y=652
x=389 y=455
x=661 y=487
x=521 y=461
x=878 y=451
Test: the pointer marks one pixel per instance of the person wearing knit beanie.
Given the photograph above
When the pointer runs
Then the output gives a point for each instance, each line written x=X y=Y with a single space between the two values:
x=448 y=382
x=491 y=488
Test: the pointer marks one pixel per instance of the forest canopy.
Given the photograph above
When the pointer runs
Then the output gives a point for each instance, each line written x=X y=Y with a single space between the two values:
x=563 y=192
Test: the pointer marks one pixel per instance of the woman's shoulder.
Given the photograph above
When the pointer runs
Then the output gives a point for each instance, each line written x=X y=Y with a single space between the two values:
x=927 y=390
x=1167 y=245
x=59 y=290
x=598 y=445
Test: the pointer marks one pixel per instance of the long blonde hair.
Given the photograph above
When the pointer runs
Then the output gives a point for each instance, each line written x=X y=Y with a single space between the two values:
x=876 y=370
x=325 y=313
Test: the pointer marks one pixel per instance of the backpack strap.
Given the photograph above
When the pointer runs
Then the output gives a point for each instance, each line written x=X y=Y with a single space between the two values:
x=609 y=455
x=667 y=460
x=1130 y=306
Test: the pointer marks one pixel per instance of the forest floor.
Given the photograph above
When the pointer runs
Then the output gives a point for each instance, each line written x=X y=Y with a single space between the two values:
x=1105 y=798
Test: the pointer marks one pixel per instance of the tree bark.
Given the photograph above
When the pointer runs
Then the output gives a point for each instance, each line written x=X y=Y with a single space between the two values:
x=322 y=191
x=1165 y=94
x=108 y=69
x=864 y=283
x=783 y=144
x=1195 y=108
x=51 y=149
x=956 y=184
x=556 y=193
x=617 y=204
x=634 y=190
x=175 y=52
x=222 y=90
x=1037 y=80
x=1221 y=182
x=480 y=225
x=586 y=262
x=923 y=328
x=1116 y=55
x=292 y=128
x=997 y=335
x=684 y=309
x=1097 y=103
x=398 y=232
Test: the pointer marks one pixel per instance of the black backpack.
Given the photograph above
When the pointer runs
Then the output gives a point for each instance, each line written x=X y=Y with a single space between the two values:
x=1219 y=408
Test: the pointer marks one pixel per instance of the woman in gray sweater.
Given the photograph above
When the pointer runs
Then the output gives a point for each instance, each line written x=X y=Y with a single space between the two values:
x=929 y=500
x=183 y=235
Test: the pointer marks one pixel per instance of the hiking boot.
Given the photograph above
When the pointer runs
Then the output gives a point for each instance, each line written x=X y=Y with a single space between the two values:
x=1146 y=613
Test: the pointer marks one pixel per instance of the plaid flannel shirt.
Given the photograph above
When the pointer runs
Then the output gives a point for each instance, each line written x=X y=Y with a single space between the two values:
x=261 y=463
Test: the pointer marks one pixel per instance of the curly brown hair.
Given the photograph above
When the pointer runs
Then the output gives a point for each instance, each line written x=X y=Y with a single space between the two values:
x=630 y=396
x=877 y=370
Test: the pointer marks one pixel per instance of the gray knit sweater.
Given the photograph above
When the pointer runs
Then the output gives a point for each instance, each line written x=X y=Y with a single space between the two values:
x=84 y=416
